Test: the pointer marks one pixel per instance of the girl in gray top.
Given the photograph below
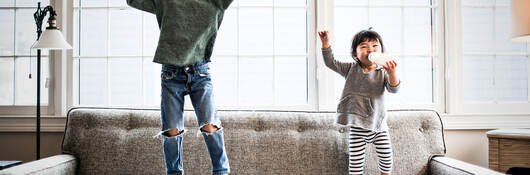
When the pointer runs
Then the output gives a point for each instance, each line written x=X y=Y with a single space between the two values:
x=362 y=102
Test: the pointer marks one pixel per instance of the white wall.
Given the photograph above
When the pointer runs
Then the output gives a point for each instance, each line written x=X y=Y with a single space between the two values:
x=468 y=145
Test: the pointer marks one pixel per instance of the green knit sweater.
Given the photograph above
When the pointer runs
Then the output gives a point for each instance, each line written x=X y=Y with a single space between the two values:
x=187 y=28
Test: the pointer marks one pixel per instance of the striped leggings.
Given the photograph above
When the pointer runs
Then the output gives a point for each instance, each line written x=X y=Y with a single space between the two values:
x=358 y=139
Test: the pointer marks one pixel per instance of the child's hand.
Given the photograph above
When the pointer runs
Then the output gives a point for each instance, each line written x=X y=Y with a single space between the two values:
x=324 y=37
x=390 y=66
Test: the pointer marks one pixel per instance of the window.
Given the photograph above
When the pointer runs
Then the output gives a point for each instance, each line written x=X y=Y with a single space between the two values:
x=494 y=69
x=113 y=50
x=451 y=54
x=17 y=61
x=260 y=56
x=409 y=29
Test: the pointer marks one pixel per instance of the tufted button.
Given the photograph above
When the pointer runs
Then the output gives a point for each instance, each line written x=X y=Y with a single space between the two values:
x=342 y=130
x=420 y=129
x=300 y=129
x=259 y=125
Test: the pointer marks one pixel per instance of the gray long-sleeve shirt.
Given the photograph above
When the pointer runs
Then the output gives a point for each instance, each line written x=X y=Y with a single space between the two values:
x=362 y=100
x=188 y=28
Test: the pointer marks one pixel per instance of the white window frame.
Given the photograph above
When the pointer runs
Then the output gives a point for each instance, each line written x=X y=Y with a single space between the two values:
x=50 y=108
x=454 y=78
x=22 y=118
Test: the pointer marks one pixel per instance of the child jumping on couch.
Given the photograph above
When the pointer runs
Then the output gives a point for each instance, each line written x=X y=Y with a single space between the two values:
x=188 y=29
x=362 y=103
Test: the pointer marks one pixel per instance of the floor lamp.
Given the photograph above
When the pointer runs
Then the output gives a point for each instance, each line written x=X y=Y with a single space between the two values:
x=51 y=39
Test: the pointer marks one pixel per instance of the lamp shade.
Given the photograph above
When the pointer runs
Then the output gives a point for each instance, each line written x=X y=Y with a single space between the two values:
x=520 y=12
x=52 y=39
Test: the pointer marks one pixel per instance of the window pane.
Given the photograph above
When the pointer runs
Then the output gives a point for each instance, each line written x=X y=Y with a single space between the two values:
x=152 y=82
x=125 y=81
x=33 y=3
x=503 y=31
x=125 y=36
x=349 y=21
x=256 y=80
x=26 y=31
x=255 y=31
x=512 y=78
x=226 y=41
x=502 y=2
x=388 y=23
x=290 y=2
x=339 y=86
x=385 y=2
x=75 y=43
x=151 y=34
x=417 y=34
x=91 y=3
x=93 y=32
x=224 y=72
x=418 y=2
x=416 y=73
x=93 y=81
x=477 y=29
x=291 y=86
x=75 y=79
x=350 y=2
x=7 y=18
x=478 y=2
x=477 y=78
x=26 y=88
x=290 y=30
x=486 y=29
x=6 y=81
x=114 y=3
x=7 y=3
x=255 y=2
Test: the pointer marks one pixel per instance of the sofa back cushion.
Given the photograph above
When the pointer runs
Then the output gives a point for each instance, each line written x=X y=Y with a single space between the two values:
x=120 y=141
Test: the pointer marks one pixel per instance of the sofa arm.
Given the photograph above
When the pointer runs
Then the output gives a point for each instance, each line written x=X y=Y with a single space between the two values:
x=448 y=166
x=58 y=164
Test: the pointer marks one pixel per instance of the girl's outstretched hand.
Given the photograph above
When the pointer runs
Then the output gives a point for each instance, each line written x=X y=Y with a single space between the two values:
x=324 y=37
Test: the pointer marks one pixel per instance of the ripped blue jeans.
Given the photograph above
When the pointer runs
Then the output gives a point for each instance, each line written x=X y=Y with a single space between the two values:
x=176 y=83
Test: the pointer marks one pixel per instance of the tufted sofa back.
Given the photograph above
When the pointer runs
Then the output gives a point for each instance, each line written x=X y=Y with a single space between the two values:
x=120 y=141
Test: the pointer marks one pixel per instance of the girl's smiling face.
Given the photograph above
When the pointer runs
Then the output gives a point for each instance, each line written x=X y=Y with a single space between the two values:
x=365 y=48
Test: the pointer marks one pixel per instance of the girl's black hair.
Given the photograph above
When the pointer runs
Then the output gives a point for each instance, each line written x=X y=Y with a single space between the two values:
x=365 y=35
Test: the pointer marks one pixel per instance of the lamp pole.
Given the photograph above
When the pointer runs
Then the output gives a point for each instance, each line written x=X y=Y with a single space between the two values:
x=39 y=17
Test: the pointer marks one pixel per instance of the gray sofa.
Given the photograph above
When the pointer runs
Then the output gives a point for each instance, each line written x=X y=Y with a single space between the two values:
x=120 y=141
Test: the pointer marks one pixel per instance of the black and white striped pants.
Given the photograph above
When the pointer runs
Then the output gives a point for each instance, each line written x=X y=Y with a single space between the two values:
x=358 y=140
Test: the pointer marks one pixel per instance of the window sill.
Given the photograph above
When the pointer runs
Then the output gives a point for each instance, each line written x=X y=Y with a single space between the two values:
x=485 y=121
x=26 y=123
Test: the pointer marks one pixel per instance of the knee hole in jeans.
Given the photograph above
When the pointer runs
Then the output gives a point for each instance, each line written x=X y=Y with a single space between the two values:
x=209 y=128
x=172 y=132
